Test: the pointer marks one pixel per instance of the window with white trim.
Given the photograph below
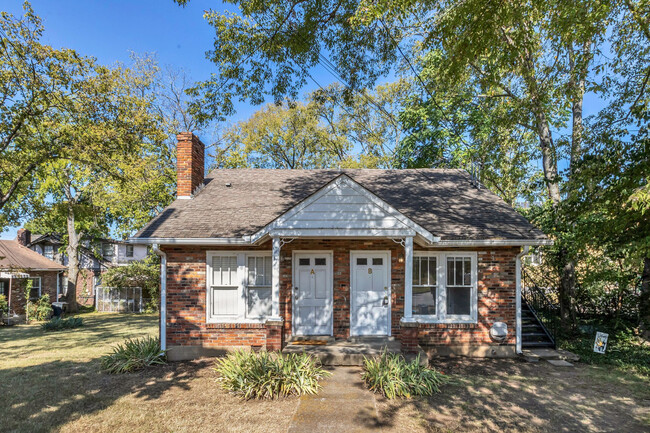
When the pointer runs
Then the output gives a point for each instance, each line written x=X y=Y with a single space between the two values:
x=35 y=291
x=48 y=251
x=239 y=286
x=459 y=286
x=445 y=287
x=129 y=251
x=258 y=296
x=425 y=285
x=224 y=288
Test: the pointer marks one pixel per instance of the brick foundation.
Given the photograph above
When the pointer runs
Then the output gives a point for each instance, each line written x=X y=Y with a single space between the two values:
x=186 y=298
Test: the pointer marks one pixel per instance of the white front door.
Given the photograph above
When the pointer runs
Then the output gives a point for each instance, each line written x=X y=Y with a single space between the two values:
x=370 y=293
x=312 y=293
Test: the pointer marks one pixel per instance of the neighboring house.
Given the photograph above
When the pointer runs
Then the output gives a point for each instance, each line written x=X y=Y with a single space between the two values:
x=95 y=258
x=18 y=265
x=256 y=257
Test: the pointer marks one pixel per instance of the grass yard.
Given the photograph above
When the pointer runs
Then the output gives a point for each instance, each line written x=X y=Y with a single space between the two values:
x=51 y=382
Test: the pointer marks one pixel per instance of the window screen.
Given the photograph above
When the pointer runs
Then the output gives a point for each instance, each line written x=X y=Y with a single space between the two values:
x=424 y=285
x=224 y=286
x=459 y=286
x=259 y=286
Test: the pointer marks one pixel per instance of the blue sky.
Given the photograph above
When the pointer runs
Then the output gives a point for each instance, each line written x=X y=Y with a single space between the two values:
x=110 y=29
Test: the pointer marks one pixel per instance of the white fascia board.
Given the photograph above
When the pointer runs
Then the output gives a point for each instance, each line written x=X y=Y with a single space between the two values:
x=492 y=243
x=191 y=241
x=345 y=180
x=350 y=233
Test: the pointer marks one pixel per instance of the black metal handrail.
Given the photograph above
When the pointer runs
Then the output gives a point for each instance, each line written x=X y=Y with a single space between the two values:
x=545 y=311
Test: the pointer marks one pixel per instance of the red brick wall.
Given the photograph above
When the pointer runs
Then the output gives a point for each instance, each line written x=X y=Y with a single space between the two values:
x=189 y=163
x=186 y=295
x=48 y=286
x=496 y=303
x=86 y=287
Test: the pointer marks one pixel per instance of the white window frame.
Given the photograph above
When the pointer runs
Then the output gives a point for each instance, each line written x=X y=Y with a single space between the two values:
x=40 y=286
x=441 y=299
x=126 y=252
x=241 y=287
x=431 y=317
x=248 y=286
x=45 y=253
x=105 y=248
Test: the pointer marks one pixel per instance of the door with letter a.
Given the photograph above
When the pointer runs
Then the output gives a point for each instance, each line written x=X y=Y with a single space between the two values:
x=370 y=293
x=312 y=294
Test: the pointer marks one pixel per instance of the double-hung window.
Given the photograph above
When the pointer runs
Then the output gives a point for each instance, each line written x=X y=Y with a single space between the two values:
x=239 y=286
x=48 y=251
x=258 y=297
x=425 y=285
x=445 y=287
x=224 y=287
x=35 y=291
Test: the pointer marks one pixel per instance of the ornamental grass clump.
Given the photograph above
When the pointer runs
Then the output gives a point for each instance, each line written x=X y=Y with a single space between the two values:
x=269 y=375
x=394 y=377
x=59 y=324
x=134 y=355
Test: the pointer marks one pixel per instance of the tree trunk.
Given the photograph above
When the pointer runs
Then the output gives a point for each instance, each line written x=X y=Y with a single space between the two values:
x=72 y=251
x=644 y=299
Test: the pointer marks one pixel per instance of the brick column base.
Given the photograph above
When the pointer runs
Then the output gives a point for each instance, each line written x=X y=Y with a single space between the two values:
x=409 y=336
x=274 y=334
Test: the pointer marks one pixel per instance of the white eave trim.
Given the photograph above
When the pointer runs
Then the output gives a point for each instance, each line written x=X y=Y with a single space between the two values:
x=191 y=241
x=492 y=243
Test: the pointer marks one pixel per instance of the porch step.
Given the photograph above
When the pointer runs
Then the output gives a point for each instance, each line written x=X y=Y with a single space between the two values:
x=347 y=353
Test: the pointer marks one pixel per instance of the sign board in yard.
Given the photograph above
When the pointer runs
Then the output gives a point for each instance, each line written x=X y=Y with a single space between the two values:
x=601 y=342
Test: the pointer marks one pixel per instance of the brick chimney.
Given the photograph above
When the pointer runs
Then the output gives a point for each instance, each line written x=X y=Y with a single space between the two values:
x=189 y=164
x=24 y=237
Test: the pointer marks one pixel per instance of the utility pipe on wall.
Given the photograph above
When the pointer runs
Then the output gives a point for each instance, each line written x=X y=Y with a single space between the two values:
x=518 y=297
x=163 y=295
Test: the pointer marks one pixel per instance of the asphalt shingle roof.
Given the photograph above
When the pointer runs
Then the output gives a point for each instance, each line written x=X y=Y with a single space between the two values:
x=442 y=201
x=15 y=256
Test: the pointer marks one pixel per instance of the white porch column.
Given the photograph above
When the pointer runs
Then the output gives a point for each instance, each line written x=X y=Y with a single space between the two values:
x=408 y=279
x=275 y=287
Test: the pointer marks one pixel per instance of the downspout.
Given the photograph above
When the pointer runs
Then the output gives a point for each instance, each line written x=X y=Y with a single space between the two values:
x=163 y=295
x=58 y=286
x=518 y=297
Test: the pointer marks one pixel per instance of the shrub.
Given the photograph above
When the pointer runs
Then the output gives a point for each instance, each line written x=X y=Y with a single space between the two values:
x=4 y=305
x=394 y=377
x=134 y=355
x=40 y=310
x=270 y=375
x=58 y=324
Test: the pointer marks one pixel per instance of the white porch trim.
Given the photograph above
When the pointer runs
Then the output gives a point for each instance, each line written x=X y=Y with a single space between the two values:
x=275 y=280
x=408 y=280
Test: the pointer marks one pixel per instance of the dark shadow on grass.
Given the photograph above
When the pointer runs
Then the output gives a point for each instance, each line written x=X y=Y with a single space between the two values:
x=498 y=395
x=46 y=396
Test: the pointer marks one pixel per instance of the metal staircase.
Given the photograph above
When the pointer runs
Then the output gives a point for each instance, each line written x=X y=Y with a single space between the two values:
x=539 y=316
x=533 y=331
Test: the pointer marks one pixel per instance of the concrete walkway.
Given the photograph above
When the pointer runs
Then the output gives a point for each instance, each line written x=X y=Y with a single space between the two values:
x=343 y=405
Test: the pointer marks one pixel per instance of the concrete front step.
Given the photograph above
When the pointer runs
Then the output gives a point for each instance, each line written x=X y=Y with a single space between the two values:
x=549 y=354
x=347 y=353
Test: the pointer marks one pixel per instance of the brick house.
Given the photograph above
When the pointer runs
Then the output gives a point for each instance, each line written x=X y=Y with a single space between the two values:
x=96 y=256
x=18 y=265
x=255 y=258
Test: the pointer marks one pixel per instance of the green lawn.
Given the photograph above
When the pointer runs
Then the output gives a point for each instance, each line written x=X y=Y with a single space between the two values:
x=50 y=381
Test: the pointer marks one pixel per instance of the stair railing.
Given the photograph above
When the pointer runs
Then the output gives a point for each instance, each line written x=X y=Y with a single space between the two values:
x=545 y=311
